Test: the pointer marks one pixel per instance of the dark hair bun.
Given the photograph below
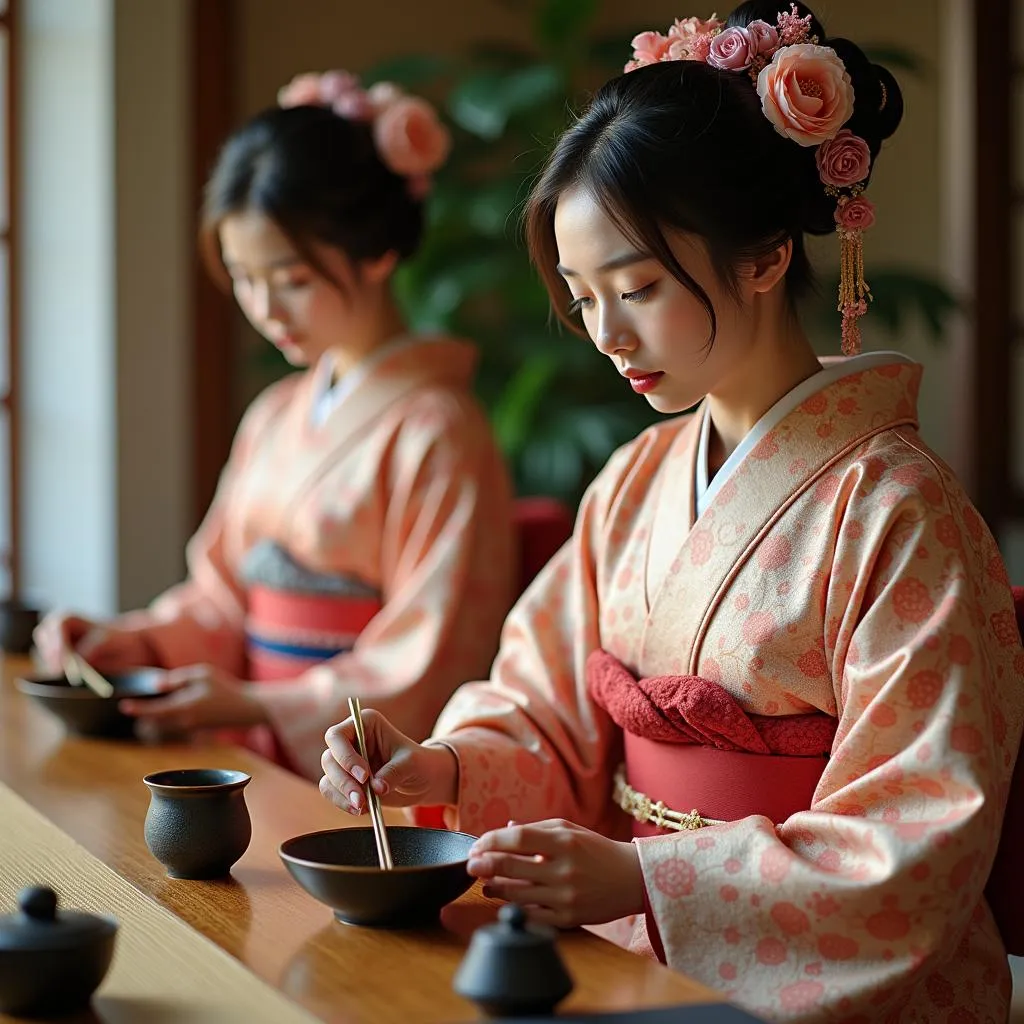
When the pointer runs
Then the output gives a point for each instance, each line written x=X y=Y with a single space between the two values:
x=877 y=102
x=319 y=176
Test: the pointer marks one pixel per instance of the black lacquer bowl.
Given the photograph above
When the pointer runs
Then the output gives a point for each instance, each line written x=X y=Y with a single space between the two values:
x=86 y=713
x=340 y=868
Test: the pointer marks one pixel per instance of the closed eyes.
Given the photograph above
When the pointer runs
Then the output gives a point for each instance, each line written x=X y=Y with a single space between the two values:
x=584 y=302
x=639 y=295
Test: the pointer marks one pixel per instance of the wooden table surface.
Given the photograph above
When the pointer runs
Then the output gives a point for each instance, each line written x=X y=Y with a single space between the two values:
x=93 y=791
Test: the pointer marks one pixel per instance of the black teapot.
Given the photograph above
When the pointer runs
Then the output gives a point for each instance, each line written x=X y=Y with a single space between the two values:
x=51 y=962
x=512 y=968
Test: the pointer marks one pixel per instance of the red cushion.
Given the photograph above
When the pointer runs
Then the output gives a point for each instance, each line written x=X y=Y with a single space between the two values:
x=542 y=526
x=1005 y=891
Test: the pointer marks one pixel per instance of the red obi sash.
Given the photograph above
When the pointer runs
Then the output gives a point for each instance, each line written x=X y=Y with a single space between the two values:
x=720 y=784
x=691 y=746
x=288 y=632
x=296 y=618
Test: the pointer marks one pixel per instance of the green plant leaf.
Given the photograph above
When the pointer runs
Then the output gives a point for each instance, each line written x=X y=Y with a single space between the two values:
x=409 y=71
x=491 y=209
x=514 y=413
x=483 y=102
x=610 y=52
x=507 y=56
x=899 y=295
x=564 y=21
x=551 y=465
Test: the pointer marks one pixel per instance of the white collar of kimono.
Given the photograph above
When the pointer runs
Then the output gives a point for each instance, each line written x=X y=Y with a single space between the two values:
x=705 y=492
x=327 y=396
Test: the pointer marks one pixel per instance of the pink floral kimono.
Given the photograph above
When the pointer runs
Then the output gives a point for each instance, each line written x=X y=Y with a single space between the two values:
x=797 y=685
x=363 y=550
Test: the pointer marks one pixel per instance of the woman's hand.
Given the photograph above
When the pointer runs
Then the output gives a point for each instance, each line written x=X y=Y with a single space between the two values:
x=562 y=874
x=411 y=773
x=198 y=697
x=104 y=646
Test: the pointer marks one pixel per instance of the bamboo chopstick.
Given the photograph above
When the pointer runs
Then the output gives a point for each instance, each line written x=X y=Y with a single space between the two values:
x=376 y=816
x=79 y=671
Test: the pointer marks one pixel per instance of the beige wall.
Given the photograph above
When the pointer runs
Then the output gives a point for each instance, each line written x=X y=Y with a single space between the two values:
x=154 y=247
x=105 y=254
x=278 y=40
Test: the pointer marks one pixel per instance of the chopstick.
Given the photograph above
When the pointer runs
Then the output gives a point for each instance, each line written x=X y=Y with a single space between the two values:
x=79 y=671
x=376 y=816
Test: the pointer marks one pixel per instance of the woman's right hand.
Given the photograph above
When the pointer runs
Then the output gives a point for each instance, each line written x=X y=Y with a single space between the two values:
x=411 y=774
x=103 y=645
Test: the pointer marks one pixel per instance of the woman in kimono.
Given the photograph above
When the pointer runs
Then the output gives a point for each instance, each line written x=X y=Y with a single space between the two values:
x=780 y=648
x=360 y=541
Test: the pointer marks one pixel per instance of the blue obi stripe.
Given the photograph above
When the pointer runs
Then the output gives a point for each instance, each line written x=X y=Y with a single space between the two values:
x=309 y=653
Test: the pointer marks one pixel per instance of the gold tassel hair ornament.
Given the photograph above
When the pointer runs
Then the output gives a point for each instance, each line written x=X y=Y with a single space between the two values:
x=853 y=216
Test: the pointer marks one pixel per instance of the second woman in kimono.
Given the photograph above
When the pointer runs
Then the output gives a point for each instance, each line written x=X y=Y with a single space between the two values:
x=360 y=540
x=780 y=649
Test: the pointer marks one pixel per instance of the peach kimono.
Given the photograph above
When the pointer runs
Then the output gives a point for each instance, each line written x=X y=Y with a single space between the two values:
x=833 y=573
x=364 y=551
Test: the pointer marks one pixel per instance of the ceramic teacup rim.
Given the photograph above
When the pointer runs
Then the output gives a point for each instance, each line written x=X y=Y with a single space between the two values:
x=238 y=780
x=358 y=869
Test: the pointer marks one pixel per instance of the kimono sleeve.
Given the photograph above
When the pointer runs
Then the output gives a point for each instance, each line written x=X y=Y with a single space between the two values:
x=202 y=619
x=448 y=563
x=838 y=912
x=530 y=742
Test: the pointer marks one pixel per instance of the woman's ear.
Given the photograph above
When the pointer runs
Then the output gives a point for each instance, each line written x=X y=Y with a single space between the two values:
x=761 y=275
x=378 y=270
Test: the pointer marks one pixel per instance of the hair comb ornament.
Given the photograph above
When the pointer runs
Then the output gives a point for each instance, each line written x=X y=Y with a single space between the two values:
x=407 y=133
x=807 y=95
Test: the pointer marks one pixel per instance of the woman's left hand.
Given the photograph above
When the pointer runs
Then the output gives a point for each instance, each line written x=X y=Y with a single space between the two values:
x=198 y=697
x=562 y=874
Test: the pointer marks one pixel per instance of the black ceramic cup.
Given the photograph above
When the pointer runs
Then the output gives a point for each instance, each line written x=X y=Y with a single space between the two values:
x=17 y=622
x=197 y=824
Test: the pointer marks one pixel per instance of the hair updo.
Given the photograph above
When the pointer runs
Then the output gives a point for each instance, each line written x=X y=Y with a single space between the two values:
x=319 y=177
x=682 y=146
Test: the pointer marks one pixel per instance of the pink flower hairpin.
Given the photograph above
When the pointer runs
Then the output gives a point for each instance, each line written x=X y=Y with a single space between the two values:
x=807 y=94
x=407 y=133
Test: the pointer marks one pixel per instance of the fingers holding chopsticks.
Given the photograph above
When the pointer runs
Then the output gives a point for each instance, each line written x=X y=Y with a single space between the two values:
x=380 y=833
x=406 y=773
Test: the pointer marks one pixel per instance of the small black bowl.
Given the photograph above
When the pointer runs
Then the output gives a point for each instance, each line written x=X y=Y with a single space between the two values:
x=17 y=623
x=84 y=712
x=340 y=868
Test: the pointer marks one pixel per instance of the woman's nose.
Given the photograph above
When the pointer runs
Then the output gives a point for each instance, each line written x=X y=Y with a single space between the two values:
x=265 y=306
x=613 y=336
x=260 y=298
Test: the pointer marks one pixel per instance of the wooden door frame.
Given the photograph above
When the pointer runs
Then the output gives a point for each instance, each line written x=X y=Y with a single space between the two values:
x=995 y=334
x=212 y=106
x=11 y=21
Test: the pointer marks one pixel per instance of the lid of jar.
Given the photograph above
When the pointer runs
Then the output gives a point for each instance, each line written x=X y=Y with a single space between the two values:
x=38 y=925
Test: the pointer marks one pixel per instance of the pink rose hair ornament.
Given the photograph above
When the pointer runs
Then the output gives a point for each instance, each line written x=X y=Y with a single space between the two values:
x=407 y=133
x=807 y=95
